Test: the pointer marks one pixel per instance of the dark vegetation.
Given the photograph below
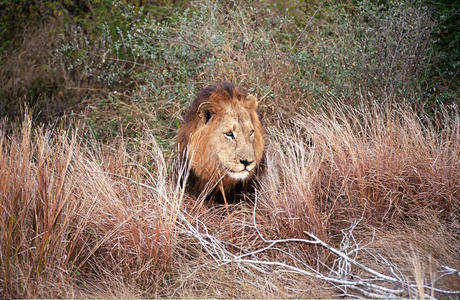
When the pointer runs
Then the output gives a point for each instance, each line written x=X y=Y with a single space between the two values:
x=112 y=62
x=360 y=102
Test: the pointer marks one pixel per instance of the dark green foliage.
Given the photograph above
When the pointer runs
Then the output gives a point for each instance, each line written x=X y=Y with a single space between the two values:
x=123 y=64
x=55 y=68
x=446 y=50
x=16 y=13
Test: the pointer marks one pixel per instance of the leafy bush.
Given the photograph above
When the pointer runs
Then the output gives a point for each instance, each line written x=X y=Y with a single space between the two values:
x=374 y=51
x=444 y=72
x=293 y=55
x=157 y=68
x=364 y=52
x=62 y=61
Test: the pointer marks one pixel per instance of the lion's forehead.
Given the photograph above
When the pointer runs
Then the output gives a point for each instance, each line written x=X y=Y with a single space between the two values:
x=237 y=117
x=236 y=124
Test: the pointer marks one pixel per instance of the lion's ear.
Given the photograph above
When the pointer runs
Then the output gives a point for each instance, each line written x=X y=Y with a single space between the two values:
x=205 y=112
x=251 y=102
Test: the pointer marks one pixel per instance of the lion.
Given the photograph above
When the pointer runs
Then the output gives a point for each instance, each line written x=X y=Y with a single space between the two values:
x=223 y=140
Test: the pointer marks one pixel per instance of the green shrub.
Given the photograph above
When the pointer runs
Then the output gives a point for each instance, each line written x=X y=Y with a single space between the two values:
x=370 y=52
x=155 y=68
x=64 y=45
x=444 y=72
x=152 y=59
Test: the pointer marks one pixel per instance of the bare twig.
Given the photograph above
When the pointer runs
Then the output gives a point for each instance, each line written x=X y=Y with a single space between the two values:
x=342 y=276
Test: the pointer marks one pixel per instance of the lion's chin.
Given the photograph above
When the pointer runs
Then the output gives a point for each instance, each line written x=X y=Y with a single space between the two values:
x=238 y=175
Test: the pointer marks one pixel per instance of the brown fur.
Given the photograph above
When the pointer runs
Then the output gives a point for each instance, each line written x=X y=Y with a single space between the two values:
x=223 y=139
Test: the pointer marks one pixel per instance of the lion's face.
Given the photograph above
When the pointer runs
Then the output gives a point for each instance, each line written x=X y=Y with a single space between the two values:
x=232 y=143
x=222 y=137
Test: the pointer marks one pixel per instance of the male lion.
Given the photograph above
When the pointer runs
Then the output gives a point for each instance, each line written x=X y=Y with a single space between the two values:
x=223 y=139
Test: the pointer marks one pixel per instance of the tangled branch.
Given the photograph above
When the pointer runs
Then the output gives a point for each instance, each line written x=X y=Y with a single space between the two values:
x=370 y=284
x=347 y=274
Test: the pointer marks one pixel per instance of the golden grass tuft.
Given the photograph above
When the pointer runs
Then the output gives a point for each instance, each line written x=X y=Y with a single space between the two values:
x=385 y=164
x=70 y=213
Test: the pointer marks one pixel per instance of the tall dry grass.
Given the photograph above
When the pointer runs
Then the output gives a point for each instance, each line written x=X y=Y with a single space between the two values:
x=381 y=164
x=79 y=219
x=74 y=214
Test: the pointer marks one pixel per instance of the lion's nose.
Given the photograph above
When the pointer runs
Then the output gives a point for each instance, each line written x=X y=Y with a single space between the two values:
x=245 y=162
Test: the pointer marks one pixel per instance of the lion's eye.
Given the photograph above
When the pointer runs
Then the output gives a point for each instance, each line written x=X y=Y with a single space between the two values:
x=251 y=133
x=229 y=135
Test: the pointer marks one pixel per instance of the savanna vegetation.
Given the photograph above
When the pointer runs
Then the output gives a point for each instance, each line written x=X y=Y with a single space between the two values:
x=361 y=193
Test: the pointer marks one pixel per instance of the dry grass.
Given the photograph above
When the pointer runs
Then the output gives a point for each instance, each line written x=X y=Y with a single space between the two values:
x=385 y=163
x=420 y=249
x=83 y=220
x=380 y=164
x=70 y=212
